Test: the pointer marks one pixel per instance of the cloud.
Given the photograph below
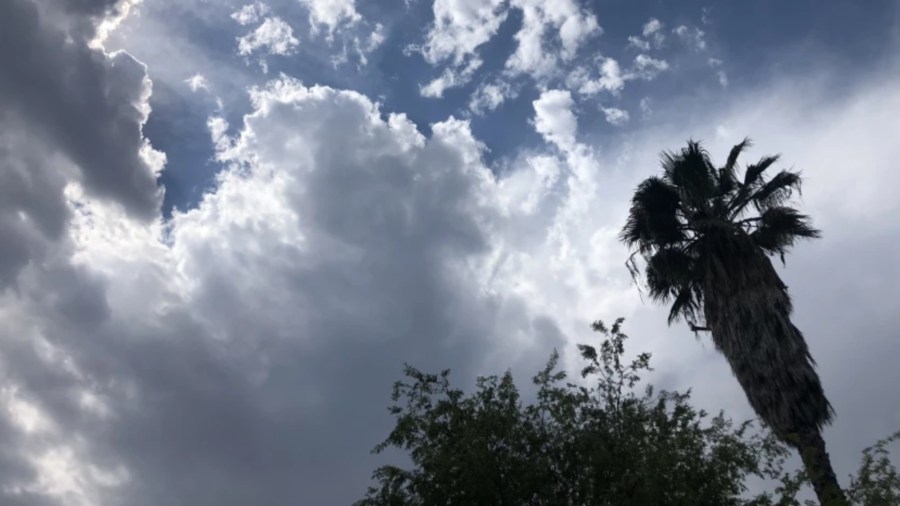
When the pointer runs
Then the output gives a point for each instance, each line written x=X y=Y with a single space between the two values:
x=250 y=13
x=638 y=43
x=695 y=38
x=647 y=68
x=233 y=340
x=450 y=78
x=723 y=78
x=573 y=26
x=554 y=118
x=87 y=104
x=489 y=96
x=611 y=77
x=73 y=118
x=219 y=361
x=551 y=33
x=459 y=29
x=653 y=30
x=614 y=116
x=331 y=13
x=365 y=47
x=652 y=33
x=651 y=27
x=197 y=82
x=273 y=36
x=646 y=106
x=720 y=74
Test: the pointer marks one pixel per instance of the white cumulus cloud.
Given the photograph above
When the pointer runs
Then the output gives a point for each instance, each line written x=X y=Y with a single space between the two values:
x=551 y=34
x=460 y=27
x=197 y=82
x=610 y=77
x=651 y=35
x=564 y=19
x=647 y=68
x=554 y=118
x=272 y=36
x=331 y=13
x=489 y=96
x=651 y=27
x=250 y=13
x=615 y=116
x=638 y=43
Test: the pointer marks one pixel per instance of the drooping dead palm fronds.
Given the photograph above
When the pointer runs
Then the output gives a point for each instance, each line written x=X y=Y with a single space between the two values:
x=705 y=235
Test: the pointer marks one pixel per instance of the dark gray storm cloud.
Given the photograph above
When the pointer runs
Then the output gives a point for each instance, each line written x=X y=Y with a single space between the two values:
x=250 y=361
x=79 y=101
x=71 y=113
x=32 y=209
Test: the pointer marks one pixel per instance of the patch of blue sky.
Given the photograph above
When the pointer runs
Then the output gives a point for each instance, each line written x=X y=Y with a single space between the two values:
x=177 y=126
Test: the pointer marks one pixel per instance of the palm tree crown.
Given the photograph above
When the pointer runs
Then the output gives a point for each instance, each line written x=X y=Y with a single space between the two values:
x=686 y=221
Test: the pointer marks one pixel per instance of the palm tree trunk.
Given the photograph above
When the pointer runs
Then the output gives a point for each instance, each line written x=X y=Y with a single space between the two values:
x=818 y=466
x=748 y=309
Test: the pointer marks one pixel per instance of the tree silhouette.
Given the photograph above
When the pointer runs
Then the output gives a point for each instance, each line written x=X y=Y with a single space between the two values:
x=601 y=441
x=705 y=235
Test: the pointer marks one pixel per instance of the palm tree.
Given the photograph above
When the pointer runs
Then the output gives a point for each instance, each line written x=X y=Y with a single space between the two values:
x=706 y=235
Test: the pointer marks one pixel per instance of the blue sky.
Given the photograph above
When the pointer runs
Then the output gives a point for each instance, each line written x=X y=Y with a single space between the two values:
x=227 y=224
x=749 y=44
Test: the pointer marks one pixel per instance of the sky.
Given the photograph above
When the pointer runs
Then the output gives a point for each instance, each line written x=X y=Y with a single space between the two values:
x=226 y=225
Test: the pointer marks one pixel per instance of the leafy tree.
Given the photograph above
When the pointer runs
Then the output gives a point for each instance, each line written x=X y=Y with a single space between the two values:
x=601 y=441
x=706 y=234
x=877 y=481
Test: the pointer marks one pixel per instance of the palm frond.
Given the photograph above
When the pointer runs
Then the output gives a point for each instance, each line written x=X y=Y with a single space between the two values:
x=653 y=220
x=726 y=184
x=686 y=305
x=776 y=191
x=753 y=179
x=667 y=270
x=755 y=171
x=692 y=172
x=670 y=276
x=727 y=175
x=779 y=228
x=731 y=164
